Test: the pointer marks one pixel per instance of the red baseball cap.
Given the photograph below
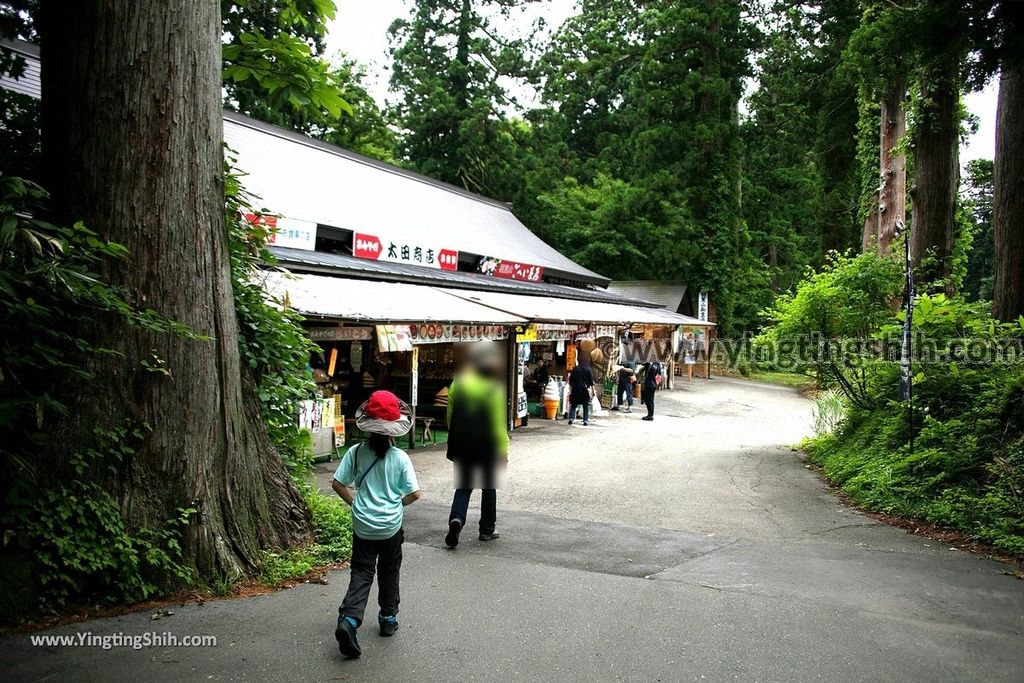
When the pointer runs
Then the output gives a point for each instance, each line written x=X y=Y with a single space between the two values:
x=384 y=413
x=382 y=405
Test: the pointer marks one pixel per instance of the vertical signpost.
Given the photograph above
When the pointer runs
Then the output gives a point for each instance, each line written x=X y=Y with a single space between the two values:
x=414 y=384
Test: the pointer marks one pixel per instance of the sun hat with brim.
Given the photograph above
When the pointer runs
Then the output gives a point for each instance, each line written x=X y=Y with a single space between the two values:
x=384 y=413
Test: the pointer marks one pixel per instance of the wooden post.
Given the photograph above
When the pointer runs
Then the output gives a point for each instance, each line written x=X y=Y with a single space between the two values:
x=414 y=387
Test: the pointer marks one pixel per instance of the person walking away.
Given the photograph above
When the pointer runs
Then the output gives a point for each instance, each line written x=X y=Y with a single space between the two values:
x=652 y=374
x=477 y=438
x=581 y=381
x=627 y=375
x=377 y=480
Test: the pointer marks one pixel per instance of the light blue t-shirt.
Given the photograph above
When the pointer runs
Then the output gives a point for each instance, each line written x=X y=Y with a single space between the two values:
x=377 y=506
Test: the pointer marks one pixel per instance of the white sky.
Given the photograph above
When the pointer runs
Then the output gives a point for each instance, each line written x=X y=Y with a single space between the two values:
x=360 y=30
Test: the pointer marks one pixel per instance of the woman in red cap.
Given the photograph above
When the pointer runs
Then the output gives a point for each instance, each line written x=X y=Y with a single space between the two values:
x=378 y=481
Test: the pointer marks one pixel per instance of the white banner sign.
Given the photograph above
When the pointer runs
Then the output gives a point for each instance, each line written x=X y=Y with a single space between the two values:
x=702 y=306
x=377 y=248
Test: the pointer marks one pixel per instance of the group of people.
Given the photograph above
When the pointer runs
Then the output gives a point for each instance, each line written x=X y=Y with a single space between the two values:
x=377 y=480
x=581 y=386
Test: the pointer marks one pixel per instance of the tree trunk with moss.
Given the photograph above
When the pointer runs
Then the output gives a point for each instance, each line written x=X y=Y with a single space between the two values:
x=132 y=137
x=1008 y=199
x=936 y=177
x=892 y=188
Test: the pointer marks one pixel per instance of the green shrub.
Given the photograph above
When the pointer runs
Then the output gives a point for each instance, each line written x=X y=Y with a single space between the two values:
x=828 y=412
x=65 y=535
x=332 y=541
x=957 y=458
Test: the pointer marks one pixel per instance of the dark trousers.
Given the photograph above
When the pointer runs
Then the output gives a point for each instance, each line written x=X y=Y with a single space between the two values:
x=488 y=508
x=647 y=397
x=626 y=388
x=386 y=554
x=573 y=405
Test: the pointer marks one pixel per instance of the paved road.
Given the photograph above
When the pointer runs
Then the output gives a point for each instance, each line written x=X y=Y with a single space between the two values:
x=697 y=547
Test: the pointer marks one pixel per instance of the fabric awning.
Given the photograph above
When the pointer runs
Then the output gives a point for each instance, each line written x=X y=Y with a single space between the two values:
x=558 y=310
x=378 y=302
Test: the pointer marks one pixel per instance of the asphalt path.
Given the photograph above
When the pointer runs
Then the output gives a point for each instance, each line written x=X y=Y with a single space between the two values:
x=695 y=547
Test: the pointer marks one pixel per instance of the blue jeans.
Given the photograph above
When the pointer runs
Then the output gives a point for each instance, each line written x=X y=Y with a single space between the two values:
x=586 y=410
x=627 y=389
x=488 y=508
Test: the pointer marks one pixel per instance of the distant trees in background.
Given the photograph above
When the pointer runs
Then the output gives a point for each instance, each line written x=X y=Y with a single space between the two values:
x=639 y=163
x=727 y=143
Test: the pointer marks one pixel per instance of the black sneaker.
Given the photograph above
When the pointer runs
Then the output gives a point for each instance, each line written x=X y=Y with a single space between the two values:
x=490 y=537
x=348 y=642
x=388 y=625
x=647 y=417
x=452 y=539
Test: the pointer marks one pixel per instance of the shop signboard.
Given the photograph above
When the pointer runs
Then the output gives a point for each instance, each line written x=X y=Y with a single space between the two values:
x=604 y=331
x=522 y=406
x=436 y=333
x=544 y=332
x=340 y=333
x=392 y=338
x=376 y=248
x=510 y=270
x=702 y=306
x=286 y=232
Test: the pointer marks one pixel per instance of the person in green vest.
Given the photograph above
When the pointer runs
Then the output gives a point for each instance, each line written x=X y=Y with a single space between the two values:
x=477 y=437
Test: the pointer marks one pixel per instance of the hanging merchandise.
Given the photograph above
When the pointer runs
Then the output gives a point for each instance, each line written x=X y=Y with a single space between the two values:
x=560 y=347
x=391 y=338
x=356 y=356
x=524 y=352
x=332 y=362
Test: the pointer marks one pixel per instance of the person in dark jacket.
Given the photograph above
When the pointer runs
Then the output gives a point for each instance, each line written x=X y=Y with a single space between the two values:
x=627 y=375
x=652 y=371
x=581 y=381
x=477 y=438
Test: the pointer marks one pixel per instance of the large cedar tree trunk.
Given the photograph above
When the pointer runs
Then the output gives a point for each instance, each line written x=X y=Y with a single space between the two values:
x=132 y=133
x=936 y=177
x=1008 y=200
x=883 y=226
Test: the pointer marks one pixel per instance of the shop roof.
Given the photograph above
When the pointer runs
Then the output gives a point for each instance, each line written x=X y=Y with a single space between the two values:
x=311 y=180
x=666 y=294
x=344 y=265
x=558 y=310
x=377 y=302
x=29 y=82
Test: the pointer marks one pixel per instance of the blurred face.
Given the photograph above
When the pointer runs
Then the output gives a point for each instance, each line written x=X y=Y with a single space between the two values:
x=485 y=358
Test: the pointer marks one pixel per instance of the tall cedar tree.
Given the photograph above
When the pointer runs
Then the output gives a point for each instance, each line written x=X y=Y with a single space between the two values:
x=1008 y=191
x=800 y=183
x=941 y=31
x=448 y=66
x=880 y=60
x=646 y=94
x=132 y=136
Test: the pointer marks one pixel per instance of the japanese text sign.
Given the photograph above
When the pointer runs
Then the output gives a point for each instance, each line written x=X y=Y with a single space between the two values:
x=402 y=251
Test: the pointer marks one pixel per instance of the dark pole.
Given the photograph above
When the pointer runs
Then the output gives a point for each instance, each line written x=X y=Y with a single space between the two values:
x=906 y=355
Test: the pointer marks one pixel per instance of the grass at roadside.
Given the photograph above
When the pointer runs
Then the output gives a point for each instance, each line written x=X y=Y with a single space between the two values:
x=332 y=542
x=965 y=469
x=787 y=379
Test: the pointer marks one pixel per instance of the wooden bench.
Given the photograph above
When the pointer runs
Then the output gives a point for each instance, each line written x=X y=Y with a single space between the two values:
x=425 y=424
